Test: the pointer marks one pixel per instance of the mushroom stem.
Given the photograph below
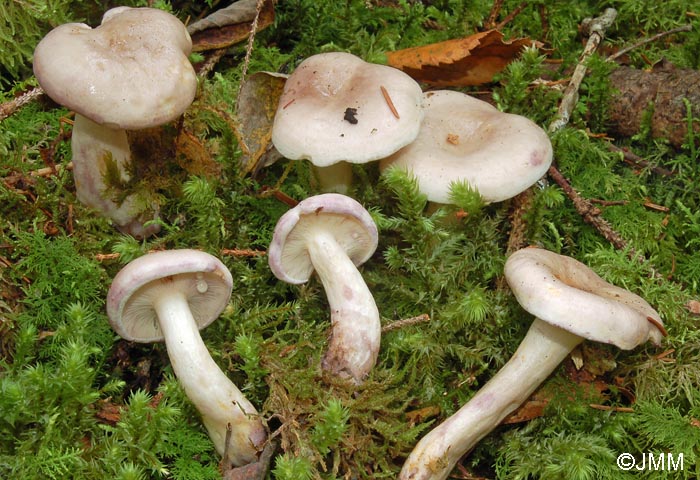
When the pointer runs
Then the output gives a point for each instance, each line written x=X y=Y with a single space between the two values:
x=219 y=401
x=355 y=326
x=334 y=178
x=541 y=351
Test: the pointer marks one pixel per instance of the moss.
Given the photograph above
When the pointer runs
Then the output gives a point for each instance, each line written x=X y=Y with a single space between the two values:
x=79 y=402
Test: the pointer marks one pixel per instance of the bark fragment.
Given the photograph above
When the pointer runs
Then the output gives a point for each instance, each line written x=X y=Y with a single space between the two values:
x=661 y=93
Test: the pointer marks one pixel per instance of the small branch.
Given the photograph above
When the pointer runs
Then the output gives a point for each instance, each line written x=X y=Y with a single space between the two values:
x=8 y=108
x=245 y=252
x=637 y=161
x=251 y=40
x=231 y=252
x=611 y=409
x=596 y=28
x=644 y=41
x=398 y=324
x=509 y=18
x=588 y=211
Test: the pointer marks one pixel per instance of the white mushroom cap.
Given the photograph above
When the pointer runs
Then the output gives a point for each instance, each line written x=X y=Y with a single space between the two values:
x=343 y=217
x=332 y=109
x=131 y=72
x=205 y=281
x=466 y=139
x=566 y=293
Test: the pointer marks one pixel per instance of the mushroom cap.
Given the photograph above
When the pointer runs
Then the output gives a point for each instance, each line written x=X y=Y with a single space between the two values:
x=466 y=139
x=332 y=109
x=343 y=217
x=131 y=72
x=566 y=293
x=202 y=278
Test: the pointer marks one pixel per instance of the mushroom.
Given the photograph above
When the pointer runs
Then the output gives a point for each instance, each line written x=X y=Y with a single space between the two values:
x=466 y=139
x=171 y=295
x=130 y=73
x=333 y=234
x=338 y=109
x=571 y=303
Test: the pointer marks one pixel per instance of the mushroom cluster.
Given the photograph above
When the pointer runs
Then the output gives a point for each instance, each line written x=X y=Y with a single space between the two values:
x=335 y=110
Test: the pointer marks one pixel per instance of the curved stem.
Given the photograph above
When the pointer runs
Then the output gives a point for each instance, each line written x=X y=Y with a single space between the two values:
x=356 y=330
x=541 y=351
x=218 y=400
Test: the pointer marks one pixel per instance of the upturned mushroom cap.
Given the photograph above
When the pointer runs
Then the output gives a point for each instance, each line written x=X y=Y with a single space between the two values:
x=131 y=72
x=332 y=109
x=203 y=279
x=466 y=139
x=350 y=224
x=566 y=293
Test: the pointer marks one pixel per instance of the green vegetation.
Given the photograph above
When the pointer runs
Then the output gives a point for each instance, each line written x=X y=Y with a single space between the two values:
x=78 y=402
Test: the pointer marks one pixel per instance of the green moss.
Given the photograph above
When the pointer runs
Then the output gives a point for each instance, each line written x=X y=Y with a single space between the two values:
x=78 y=402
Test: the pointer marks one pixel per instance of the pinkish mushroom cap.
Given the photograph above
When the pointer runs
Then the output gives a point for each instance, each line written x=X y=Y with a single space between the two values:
x=202 y=278
x=466 y=139
x=333 y=109
x=565 y=293
x=340 y=216
x=131 y=72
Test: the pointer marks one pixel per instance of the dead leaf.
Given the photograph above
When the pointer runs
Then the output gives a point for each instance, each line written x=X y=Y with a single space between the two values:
x=229 y=25
x=472 y=60
x=422 y=414
x=257 y=104
x=693 y=307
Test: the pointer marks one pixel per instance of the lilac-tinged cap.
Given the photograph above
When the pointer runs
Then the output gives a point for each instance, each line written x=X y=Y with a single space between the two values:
x=337 y=107
x=202 y=278
x=131 y=72
x=566 y=293
x=349 y=223
x=464 y=139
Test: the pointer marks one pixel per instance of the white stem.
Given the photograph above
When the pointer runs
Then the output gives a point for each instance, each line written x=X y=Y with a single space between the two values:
x=334 y=178
x=355 y=326
x=219 y=401
x=541 y=351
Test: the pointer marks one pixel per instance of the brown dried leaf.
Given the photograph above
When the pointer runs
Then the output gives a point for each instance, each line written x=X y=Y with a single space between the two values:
x=257 y=104
x=693 y=307
x=472 y=60
x=229 y=25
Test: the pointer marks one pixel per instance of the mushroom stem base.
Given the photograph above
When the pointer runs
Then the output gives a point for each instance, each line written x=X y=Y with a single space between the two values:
x=541 y=351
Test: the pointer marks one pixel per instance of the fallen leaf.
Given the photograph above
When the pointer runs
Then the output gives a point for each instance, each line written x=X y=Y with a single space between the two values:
x=472 y=60
x=255 y=113
x=229 y=25
x=693 y=307
x=418 y=416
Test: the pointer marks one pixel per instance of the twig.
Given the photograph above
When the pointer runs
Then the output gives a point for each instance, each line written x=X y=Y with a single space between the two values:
x=398 y=324
x=596 y=28
x=8 y=108
x=588 y=211
x=233 y=252
x=509 y=18
x=607 y=408
x=244 y=252
x=251 y=40
x=495 y=10
x=637 y=161
x=210 y=62
x=644 y=41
